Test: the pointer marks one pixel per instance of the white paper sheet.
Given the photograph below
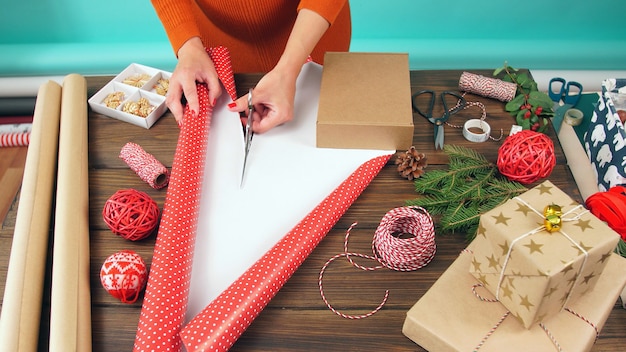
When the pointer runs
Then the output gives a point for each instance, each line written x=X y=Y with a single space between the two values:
x=286 y=177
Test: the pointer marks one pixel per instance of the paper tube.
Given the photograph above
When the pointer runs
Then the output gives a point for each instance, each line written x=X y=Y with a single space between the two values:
x=21 y=306
x=223 y=321
x=166 y=296
x=70 y=304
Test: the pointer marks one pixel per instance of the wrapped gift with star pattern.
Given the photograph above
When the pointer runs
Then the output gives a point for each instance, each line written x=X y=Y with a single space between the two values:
x=539 y=252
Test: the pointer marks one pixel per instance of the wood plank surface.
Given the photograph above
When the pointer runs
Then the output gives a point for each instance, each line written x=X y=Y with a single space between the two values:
x=297 y=318
x=12 y=161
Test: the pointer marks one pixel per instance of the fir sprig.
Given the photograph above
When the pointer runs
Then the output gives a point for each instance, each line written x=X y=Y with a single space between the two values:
x=470 y=187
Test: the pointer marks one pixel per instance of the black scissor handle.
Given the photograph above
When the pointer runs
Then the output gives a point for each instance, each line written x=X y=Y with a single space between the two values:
x=431 y=105
x=460 y=105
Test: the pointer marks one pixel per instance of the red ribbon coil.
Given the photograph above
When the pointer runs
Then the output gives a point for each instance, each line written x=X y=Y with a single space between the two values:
x=610 y=206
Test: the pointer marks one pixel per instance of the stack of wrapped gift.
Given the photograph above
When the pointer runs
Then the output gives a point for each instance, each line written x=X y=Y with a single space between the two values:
x=520 y=287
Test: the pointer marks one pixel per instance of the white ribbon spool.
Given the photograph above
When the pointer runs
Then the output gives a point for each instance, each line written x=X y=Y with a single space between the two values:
x=476 y=137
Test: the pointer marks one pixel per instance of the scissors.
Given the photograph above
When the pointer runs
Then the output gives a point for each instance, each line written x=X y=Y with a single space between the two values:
x=248 y=136
x=562 y=92
x=438 y=122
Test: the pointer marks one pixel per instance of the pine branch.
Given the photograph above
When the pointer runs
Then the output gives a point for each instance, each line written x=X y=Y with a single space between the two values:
x=470 y=187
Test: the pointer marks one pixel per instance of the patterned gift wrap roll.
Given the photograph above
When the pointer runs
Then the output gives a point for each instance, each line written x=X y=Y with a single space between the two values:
x=487 y=87
x=145 y=165
x=15 y=139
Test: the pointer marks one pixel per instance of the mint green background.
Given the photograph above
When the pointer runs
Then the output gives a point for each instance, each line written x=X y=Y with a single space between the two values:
x=89 y=37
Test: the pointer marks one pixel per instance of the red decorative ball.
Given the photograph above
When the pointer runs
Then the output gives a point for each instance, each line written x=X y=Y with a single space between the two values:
x=124 y=275
x=526 y=157
x=131 y=214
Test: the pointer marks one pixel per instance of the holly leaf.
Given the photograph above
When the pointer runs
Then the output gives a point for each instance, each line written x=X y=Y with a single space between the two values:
x=515 y=104
x=523 y=80
x=497 y=71
x=540 y=99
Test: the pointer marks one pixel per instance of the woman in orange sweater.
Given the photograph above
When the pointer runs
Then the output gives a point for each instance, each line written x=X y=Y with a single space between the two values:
x=271 y=36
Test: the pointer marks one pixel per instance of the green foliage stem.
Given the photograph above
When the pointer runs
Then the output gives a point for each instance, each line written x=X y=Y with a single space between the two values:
x=470 y=187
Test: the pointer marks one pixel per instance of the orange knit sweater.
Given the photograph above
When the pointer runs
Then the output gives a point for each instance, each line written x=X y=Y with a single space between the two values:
x=255 y=31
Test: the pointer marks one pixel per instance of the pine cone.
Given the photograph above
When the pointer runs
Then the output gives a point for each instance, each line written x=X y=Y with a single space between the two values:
x=411 y=163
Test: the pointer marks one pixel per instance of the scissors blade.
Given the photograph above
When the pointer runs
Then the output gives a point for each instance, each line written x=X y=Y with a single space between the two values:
x=438 y=137
x=248 y=137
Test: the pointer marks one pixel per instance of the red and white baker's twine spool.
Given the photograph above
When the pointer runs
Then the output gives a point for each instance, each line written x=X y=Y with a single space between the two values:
x=14 y=139
x=145 y=165
x=391 y=248
x=487 y=86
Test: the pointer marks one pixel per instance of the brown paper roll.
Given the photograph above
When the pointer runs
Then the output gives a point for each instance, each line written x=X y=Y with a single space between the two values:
x=21 y=307
x=70 y=303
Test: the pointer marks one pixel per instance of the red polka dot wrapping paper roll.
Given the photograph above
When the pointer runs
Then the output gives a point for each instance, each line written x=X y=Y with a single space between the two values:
x=166 y=296
x=223 y=321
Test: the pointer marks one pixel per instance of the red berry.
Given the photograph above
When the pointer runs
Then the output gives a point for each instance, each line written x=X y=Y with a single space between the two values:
x=538 y=110
x=527 y=114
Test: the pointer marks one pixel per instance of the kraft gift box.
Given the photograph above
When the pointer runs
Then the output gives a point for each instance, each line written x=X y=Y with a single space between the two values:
x=365 y=102
x=450 y=317
x=534 y=273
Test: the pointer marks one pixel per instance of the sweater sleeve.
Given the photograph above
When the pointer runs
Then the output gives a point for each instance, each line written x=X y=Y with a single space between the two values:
x=329 y=9
x=178 y=21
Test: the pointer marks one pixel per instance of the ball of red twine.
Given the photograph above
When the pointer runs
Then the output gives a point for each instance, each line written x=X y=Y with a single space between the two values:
x=124 y=275
x=131 y=214
x=526 y=157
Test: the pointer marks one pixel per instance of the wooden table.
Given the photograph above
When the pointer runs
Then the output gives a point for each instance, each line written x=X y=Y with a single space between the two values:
x=297 y=318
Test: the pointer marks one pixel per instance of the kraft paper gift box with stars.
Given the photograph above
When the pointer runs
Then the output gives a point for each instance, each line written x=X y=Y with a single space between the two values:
x=533 y=272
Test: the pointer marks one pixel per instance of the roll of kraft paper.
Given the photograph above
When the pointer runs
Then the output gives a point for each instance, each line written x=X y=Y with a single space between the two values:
x=14 y=139
x=70 y=302
x=223 y=321
x=23 y=290
x=145 y=165
x=487 y=87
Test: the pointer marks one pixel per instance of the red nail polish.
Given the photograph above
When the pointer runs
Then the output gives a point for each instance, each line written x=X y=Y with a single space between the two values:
x=214 y=102
x=232 y=105
x=180 y=123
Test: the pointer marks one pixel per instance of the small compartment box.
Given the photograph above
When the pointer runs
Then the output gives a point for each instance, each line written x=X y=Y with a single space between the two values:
x=136 y=95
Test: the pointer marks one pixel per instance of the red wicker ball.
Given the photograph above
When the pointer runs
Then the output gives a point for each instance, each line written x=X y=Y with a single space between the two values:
x=124 y=275
x=526 y=157
x=131 y=214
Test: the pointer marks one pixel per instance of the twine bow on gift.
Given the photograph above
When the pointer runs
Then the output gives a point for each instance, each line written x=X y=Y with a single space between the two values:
x=553 y=217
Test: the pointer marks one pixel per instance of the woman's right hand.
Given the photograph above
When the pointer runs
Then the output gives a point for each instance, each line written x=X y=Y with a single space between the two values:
x=194 y=66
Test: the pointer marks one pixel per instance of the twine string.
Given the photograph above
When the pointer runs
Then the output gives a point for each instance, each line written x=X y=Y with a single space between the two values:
x=391 y=249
